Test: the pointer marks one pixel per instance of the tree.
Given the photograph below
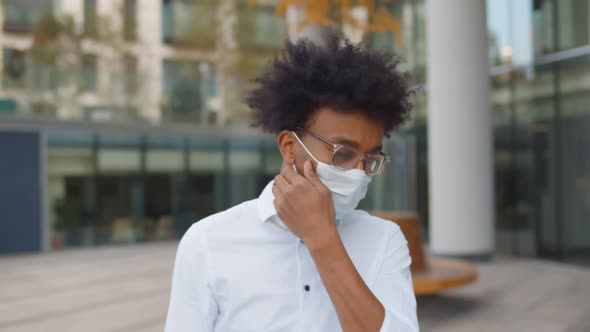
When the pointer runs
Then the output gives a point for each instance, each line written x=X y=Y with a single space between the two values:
x=250 y=55
x=69 y=55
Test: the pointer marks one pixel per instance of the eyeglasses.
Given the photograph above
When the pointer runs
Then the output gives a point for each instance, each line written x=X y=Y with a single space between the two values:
x=346 y=158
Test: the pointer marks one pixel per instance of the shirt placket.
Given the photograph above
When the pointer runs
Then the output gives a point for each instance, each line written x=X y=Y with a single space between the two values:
x=305 y=285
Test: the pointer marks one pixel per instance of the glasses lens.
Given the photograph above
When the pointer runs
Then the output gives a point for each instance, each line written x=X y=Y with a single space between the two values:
x=374 y=165
x=346 y=158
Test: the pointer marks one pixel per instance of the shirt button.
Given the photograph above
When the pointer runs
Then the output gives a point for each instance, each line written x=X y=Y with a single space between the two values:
x=306 y=288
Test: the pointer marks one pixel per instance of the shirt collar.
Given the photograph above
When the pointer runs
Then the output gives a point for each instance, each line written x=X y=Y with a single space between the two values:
x=266 y=208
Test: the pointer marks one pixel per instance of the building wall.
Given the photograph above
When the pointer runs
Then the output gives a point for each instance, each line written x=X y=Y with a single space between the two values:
x=148 y=49
x=539 y=57
x=540 y=73
x=21 y=191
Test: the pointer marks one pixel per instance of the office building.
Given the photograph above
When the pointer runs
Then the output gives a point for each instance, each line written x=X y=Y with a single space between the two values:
x=132 y=114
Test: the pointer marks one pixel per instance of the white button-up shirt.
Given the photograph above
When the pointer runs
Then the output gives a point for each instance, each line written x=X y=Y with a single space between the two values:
x=242 y=270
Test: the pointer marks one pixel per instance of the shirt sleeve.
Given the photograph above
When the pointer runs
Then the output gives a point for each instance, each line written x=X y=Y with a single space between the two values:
x=394 y=287
x=192 y=305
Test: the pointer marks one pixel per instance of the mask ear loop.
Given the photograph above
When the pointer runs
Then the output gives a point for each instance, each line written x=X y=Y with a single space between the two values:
x=304 y=147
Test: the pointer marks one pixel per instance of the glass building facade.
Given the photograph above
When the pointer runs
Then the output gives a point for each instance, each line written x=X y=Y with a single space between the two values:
x=110 y=184
x=540 y=72
x=156 y=140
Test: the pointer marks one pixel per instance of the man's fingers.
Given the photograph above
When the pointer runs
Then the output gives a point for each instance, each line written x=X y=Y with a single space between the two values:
x=276 y=191
x=289 y=173
x=281 y=183
x=310 y=174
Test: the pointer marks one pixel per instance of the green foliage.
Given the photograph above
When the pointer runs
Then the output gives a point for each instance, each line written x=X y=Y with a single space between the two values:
x=192 y=25
x=260 y=34
x=51 y=35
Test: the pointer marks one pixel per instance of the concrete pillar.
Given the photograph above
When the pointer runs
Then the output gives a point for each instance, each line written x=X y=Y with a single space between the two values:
x=73 y=9
x=459 y=130
x=149 y=25
x=228 y=101
x=109 y=62
x=68 y=102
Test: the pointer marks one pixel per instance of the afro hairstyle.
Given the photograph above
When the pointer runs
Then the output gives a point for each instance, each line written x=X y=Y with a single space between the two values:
x=346 y=77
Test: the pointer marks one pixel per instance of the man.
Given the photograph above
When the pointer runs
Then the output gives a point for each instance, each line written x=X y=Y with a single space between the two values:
x=300 y=257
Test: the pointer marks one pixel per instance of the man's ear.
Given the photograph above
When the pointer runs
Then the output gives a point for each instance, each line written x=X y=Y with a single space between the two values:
x=287 y=143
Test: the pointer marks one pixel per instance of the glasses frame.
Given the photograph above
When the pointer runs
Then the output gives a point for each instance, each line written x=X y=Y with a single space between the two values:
x=336 y=147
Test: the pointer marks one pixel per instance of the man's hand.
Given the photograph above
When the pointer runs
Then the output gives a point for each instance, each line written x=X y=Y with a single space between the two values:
x=305 y=205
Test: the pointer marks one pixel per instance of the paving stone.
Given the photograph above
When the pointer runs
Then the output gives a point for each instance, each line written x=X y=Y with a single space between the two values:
x=126 y=289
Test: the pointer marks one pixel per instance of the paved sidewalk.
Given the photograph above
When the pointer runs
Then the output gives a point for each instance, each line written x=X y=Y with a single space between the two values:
x=513 y=295
x=126 y=289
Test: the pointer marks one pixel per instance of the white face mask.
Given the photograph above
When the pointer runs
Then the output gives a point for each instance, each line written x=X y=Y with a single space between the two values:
x=348 y=187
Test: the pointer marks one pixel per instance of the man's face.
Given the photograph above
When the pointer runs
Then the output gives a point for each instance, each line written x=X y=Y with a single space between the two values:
x=353 y=130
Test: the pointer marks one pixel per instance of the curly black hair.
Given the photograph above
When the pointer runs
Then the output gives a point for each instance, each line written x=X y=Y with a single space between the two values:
x=345 y=77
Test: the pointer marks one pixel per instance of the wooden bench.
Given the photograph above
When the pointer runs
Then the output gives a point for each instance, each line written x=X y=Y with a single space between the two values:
x=430 y=274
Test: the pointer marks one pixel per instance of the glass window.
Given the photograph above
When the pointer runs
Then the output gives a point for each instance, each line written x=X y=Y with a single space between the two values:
x=166 y=185
x=390 y=37
x=89 y=73
x=260 y=29
x=399 y=29
x=260 y=34
x=23 y=15
x=90 y=19
x=119 y=190
x=541 y=121
x=14 y=69
x=44 y=73
x=175 y=71
x=574 y=23
x=44 y=108
x=70 y=188
x=189 y=23
x=530 y=182
x=543 y=27
x=207 y=166
x=130 y=20
x=130 y=74
x=182 y=91
x=521 y=25
x=500 y=39
x=573 y=144
x=244 y=169
x=509 y=25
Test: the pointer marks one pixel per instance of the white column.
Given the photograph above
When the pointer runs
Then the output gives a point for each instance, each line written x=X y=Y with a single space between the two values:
x=108 y=59
x=73 y=9
x=459 y=129
x=149 y=25
x=228 y=103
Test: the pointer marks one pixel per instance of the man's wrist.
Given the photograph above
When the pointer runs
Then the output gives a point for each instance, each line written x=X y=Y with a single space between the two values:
x=322 y=240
